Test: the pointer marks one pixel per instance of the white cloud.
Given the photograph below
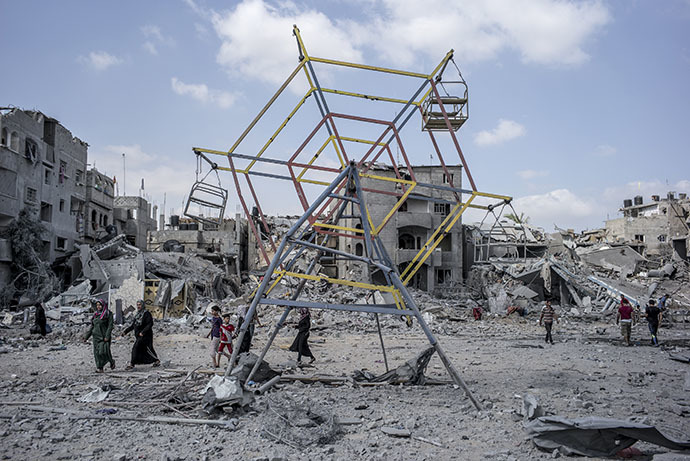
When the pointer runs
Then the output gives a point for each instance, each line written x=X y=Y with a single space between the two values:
x=258 y=42
x=155 y=38
x=605 y=150
x=561 y=207
x=202 y=93
x=532 y=174
x=100 y=60
x=150 y=47
x=505 y=131
x=616 y=194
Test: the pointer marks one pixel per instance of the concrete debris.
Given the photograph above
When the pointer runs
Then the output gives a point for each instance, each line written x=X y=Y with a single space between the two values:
x=96 y=395
x=594 y=436
x=246 y=362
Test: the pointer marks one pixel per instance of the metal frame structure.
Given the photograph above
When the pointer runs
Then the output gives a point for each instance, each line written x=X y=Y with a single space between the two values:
x=322 y=216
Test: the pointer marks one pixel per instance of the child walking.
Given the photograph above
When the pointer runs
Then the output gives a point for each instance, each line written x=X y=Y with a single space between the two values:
x=226 y=330
x=214 y=334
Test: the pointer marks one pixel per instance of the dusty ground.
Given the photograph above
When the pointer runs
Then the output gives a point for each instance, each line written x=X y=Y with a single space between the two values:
x=587 y=372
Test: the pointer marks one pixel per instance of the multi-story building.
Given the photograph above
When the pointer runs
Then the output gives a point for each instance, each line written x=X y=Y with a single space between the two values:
x=99 y=205
x=653 y=227
x=42 y=168
x=132 y=215
x=411 y=226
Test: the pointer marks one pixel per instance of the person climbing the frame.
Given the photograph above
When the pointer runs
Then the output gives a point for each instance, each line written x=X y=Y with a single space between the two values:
x=142 y=350
x=100 y=334
x=548 y=315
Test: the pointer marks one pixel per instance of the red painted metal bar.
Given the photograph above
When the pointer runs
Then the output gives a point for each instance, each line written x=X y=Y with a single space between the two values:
x=440 y=158
x=452 y=135
x=256 y=233
x=258 y=207
x=306 y=141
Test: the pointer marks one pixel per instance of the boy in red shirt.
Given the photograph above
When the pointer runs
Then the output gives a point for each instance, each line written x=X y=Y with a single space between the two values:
x=625 y=316
x=226 y=330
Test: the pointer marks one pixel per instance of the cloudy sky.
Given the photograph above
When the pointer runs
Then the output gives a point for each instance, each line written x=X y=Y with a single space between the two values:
x=574 y=106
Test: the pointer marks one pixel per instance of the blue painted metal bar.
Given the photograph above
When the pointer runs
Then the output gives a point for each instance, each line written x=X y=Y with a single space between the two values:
x=274 y=262
x=389 y=309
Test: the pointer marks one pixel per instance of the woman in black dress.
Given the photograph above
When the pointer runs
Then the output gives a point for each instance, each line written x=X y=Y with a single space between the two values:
x=300 y=344
x=142 y=351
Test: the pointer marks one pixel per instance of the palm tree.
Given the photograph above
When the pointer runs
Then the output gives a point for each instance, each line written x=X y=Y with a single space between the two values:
x=522 y=219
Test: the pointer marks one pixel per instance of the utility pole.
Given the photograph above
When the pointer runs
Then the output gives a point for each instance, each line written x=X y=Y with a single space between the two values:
x=124 y=175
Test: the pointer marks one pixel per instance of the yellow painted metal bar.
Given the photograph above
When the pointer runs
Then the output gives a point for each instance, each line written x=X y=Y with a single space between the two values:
x=318 y=278
x=367 y=96
x=385 y=178
x=365 y=67
x=314 y=181
x=394 y=209
x=448 y=56
x=433 y=236
x=334 y=226
x=316 y=155
x=363 y=141
x=486 y=194
x=280 y=128
x=438 y=241
x=400 y=304
x=337 y=151
x=275 y=283
x=445 y=59
x=267 y=106
x=295 y=30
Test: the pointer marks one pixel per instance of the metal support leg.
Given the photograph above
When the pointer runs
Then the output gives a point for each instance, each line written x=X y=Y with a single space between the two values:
x=432 y=339
x=383 y=347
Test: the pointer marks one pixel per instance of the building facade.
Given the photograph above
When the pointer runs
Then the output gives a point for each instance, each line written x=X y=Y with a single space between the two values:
x=653 y=227
x=98 y=212
x=133 y=216
x=42 y=168
x=411 y=226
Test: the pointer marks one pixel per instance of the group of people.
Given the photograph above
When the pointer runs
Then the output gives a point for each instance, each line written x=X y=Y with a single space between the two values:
x=627 y=317
x=222 y=333
x=101 y=329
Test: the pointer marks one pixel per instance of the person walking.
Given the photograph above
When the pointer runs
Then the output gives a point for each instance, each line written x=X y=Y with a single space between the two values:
x=214 y=334
x=100 y=334
x=249 y=333
x=653 y=320
x=625 y=317
x=40 y=319
x=142 y=350
x=548 y=315
x=300 y=344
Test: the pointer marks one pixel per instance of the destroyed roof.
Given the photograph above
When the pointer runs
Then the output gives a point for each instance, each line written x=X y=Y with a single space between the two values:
x=509 y=231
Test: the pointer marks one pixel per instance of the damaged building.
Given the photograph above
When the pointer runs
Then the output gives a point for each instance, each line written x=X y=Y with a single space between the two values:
x=412 y=225
x=656 y=227
x=42 y=169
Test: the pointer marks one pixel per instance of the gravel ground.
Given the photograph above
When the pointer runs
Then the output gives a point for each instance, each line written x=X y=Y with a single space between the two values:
x=587 y=372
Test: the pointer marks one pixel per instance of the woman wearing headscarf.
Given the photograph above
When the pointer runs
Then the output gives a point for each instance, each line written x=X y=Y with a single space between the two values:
x=100 y=332
x=300 y=344
x=142 y=350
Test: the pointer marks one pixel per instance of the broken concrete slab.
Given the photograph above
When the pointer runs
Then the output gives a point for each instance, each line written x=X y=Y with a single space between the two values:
x=594 y=436
x=396 y=432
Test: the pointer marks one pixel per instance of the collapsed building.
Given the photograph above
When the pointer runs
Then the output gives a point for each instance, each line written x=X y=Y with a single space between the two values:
x=659 y=227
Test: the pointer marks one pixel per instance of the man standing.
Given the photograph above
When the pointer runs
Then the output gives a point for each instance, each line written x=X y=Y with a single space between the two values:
x=548 y=315
x=653 y=320
x=625 y=317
